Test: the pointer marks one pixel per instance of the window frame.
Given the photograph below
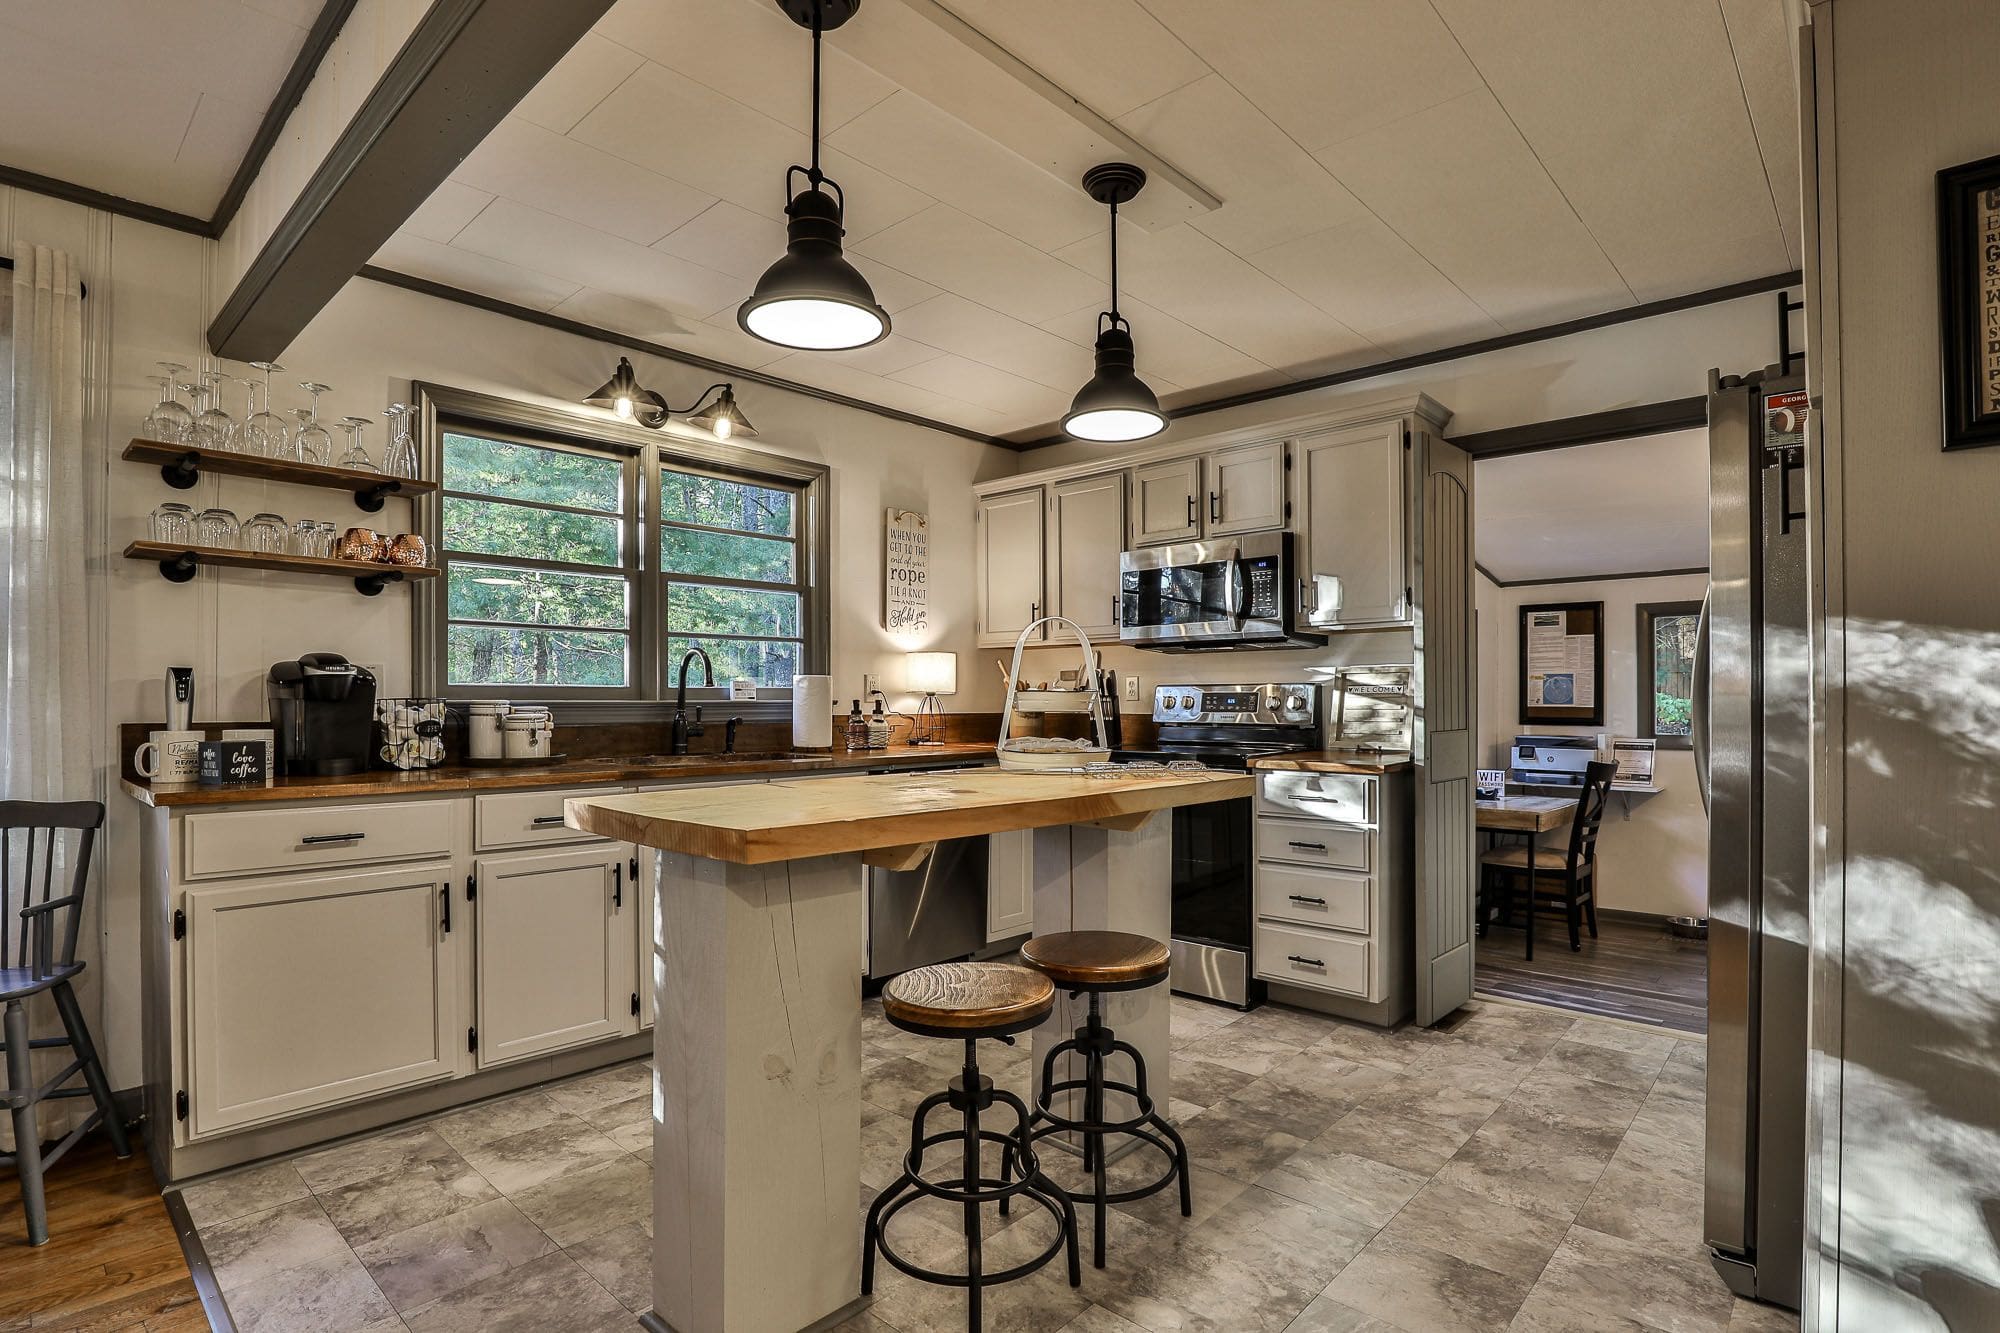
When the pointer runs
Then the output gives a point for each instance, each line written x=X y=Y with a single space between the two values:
x=1646 y=614
x=644 y=453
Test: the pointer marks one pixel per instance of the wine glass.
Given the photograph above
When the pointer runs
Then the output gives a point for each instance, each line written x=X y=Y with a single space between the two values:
x=313 y=441
x=169 y=420
x=399 y=457
x=251 y=437
x=278 y=442
x=214 y=428
x=356 y=454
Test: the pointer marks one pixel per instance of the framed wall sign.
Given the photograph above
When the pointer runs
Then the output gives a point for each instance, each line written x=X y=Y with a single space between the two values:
x=1968 y=204
x=906 y=572
x=1562 y=664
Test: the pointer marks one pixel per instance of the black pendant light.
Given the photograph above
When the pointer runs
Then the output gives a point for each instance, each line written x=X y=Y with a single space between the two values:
x=813 y=299
x=1116 y=406
x=719 y=415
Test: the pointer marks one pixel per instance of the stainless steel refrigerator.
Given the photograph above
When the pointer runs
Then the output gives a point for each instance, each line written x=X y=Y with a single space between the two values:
x=1752 y=736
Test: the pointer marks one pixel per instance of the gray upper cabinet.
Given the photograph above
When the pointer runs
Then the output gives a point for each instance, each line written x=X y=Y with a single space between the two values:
x=1167 y=502
x=1009 y=559
x=1246 y=488
x=1086 y=533
x=1353 y=525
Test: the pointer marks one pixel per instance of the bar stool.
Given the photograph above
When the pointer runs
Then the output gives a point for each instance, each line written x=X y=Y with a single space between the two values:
x=1097 y=963
x=967 y=1002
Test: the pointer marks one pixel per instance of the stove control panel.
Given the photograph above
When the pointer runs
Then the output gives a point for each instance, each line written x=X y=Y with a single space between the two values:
x=1285 y=705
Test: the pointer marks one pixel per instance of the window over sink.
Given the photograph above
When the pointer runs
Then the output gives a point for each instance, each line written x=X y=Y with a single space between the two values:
x=582 y=559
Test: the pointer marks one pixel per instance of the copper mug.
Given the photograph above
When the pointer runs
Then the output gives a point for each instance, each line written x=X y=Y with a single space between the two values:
x=359 y=544
x=408 y=549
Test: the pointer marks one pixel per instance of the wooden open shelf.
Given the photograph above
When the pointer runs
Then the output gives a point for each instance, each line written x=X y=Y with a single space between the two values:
x=181 y=465
x=179 y=563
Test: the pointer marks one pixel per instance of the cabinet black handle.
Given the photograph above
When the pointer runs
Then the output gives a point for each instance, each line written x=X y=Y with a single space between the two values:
x=315 y=839
x=1308 y=846
x=1302 y=959
x=544 y=821
x=1191 y=512
x=1302 y=898
x=618 y=886
x=444 y=896
x=1214 y=507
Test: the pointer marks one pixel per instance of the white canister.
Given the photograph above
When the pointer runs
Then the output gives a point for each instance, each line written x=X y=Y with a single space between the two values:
x=482 y=729
x=526 y=733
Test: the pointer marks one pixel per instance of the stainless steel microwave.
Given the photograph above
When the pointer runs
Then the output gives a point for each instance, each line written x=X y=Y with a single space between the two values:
x=1238 y=592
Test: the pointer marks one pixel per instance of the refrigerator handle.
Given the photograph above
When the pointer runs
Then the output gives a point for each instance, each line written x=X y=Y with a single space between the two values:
x=1698 y=704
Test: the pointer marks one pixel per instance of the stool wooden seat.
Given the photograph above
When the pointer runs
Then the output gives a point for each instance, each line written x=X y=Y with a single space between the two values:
x=968 y=999
x=1516 y=858
x=1097 y=960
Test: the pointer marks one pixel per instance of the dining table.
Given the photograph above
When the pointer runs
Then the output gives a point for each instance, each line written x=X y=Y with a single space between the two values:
x=1530 y=816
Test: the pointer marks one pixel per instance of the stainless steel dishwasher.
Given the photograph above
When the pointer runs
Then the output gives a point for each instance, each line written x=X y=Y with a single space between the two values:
x=932 y=914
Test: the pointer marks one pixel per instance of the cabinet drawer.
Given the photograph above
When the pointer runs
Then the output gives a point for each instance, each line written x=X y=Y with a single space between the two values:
x=528 y=818
x=1301 y=957
x=1347 y=797
x=1314 y=897
x=1313 y=843
x=239 y=842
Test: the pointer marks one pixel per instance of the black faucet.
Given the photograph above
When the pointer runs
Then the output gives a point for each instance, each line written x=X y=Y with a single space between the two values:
x=682 y=731
x=729 y=734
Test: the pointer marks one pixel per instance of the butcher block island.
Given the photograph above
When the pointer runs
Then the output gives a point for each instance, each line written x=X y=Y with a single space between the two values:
x=757 y=973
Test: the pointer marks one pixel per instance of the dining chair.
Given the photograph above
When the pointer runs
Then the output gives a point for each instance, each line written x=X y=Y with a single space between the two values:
x=43 y=959
x=1568 y=875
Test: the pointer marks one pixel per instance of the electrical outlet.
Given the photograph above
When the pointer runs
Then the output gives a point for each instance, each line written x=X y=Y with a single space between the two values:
x=1132 y=689
x=870 y=682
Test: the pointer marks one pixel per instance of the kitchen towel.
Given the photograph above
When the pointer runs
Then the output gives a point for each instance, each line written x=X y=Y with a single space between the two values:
x=812 y=712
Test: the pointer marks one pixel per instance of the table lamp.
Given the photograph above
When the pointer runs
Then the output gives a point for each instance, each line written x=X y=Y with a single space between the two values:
x=930 y=674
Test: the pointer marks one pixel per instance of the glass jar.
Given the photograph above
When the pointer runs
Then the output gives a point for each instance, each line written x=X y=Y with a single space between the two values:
x=306 y=539
x=173 y=522
x=216 y=528
x=265 y=534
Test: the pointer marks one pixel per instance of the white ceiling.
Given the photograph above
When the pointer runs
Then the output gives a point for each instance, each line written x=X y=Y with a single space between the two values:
x=149 y=101
x=1625 y=507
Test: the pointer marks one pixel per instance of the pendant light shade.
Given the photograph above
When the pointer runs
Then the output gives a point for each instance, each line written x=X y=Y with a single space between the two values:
x=1116 y=406
x=813 y=299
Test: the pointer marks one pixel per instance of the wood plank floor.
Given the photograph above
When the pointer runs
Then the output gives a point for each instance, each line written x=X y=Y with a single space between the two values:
x=112 y=1261
x=1633 y=970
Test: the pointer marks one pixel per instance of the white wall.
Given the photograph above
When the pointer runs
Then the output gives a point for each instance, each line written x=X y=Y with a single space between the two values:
x=1654 y=849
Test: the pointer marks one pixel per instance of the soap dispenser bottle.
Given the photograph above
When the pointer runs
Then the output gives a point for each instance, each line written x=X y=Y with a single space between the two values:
x=857 y=728
x=878 y=727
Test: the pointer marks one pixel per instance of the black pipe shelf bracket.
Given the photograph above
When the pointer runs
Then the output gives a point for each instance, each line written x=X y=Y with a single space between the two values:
x=183 y=472
x=180 y=568
x=369 y=498
x=371 y=585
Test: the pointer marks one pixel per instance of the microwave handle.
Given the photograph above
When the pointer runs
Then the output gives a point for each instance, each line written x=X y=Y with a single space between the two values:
x=1239 y=599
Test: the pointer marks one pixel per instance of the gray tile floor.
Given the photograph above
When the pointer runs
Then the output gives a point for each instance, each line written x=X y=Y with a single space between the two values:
x=1527 y=1170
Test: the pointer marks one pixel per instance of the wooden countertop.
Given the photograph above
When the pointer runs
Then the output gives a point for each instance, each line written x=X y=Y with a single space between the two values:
x=1523 y=814
x=1333 y=761
x=572 y=773
x=784 y=821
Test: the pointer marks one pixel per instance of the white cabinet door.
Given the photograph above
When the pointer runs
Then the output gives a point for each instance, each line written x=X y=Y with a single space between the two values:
x=1167 y=502
x=1246 y=488
x=303 y=992
x=1009 y=575
x=1010 y=884
x=553 y=950
x=1087 y=531
x=1354 y=524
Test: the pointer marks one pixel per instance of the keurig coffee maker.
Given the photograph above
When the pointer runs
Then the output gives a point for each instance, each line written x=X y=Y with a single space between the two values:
x=324 y=709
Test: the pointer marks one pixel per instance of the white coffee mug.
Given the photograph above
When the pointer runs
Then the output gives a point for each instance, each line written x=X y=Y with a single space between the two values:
x=169 y=756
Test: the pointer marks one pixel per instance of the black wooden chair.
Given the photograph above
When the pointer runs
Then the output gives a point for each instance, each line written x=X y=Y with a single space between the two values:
x=44 y=959
x=1568 y=876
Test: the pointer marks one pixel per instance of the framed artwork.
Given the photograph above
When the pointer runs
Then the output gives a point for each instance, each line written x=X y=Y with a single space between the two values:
x=1562 y=664
x=1968 y=205
x=1666 y=640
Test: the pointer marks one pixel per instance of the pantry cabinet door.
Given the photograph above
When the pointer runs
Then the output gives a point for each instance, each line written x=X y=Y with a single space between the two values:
x=1010 y=884
x=553 y=951
x=1009 y=565
x=1167 y=502
x=1246 y=488
x=1087 y=530
x=1355 y=525
x=308 y=991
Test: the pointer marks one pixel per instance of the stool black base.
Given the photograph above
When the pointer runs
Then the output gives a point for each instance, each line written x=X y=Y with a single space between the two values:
x=1097 y=1043
x=971 y=1093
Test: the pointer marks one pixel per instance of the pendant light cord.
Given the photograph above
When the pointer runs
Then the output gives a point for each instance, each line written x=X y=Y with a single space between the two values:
x=1116 y=318
x=814 y=172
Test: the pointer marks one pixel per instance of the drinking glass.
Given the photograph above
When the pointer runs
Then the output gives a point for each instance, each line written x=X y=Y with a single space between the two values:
x=265 y=533
x=399 y=456
x=305 y=537
x=328 y=534
x=278 y=441
x=214 y=428
x=173 y=522
x=314 y=443
x=216 y=527
x=169 y=420
x=356 y=454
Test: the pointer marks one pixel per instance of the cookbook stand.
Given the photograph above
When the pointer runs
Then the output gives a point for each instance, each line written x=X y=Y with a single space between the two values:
x=1088 y=699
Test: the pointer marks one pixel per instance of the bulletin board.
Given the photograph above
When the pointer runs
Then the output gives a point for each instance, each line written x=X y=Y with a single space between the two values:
x=1562 y=664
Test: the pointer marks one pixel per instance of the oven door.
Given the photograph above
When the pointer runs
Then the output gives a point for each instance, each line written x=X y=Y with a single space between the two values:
x=1213 y=908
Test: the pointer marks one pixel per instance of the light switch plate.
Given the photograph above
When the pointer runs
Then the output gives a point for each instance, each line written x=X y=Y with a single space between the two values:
x=1132 y=689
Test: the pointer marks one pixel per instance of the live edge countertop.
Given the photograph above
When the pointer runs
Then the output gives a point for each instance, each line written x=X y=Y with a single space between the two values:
x=1328 y=761
x=571 y=773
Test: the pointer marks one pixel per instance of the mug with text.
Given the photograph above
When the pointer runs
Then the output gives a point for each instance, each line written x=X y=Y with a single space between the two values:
x=169 y=756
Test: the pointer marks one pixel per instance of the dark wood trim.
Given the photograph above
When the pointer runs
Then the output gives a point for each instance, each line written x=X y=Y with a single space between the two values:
x=1622 y=423
x=98 y=199
x=319 y=40
x=460 y=72
x=597 y=333
x=1713 y=296
x=1642 y=651
x=1588 y=578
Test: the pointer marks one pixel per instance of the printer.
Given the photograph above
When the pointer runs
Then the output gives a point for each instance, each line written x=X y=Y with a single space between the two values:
x=1551 y=761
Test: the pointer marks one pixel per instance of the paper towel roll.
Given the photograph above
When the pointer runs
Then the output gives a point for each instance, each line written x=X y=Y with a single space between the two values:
x=812 y=712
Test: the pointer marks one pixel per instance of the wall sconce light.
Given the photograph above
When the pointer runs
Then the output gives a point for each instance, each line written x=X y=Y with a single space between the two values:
x=623 y=397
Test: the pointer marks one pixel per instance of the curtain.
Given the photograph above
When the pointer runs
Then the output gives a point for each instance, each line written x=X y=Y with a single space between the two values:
x=46 y=675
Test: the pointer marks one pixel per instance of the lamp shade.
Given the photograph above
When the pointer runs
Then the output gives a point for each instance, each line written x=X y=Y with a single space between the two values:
x=812 y=298
x=932 y=673
x=1116 y=405
x=723 y=418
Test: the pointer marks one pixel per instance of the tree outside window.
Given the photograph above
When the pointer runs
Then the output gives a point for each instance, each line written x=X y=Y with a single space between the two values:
x=1667 y=632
